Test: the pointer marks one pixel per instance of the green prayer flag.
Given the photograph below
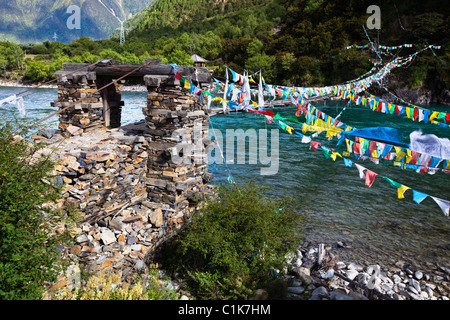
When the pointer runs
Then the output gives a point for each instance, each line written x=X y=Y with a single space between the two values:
x=326 y=152
x=392 y=182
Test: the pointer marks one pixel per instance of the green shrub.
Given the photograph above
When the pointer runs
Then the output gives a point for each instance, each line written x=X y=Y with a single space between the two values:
x=236 y=243
x=29 y=255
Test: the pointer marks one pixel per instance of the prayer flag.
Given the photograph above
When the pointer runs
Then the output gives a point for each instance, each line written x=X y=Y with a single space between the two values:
x=361 y=170
x=370 y=177
x=418 y=196
x=443 y=204
x=401 y=191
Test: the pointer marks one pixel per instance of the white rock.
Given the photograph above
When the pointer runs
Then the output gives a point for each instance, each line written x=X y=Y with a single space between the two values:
x=351 y=274
x=340 y=265
x=414 y=283
x=418 y=275
x=107 y=236
x=136 y=247
x=327 y=275
x=82 y=238
x=183 y=297
x=413 y=290
x=431 y=286
x=355 y=266
x=396 y=278
x=74 y=130
x=424 y=295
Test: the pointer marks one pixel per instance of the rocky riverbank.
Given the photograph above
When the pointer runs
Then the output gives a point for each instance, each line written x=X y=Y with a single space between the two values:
x=318 y=274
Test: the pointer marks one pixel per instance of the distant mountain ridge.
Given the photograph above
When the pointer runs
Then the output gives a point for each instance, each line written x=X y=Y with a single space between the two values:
x=33 y=21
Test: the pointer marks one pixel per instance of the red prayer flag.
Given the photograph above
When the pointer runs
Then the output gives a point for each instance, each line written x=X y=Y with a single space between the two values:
x=372 y=146
x=315 y=145
x=356 y=148
x=301 y=108
x=416 y=112
x=267 y=113
x=370 y=177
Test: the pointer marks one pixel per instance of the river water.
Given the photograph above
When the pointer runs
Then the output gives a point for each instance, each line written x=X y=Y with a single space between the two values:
x=379 y=227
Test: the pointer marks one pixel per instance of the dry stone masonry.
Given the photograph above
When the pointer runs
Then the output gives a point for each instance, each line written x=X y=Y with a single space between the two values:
x=122 y=181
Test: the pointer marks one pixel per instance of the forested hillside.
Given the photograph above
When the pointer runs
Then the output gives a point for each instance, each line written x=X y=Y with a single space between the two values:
x=297 y=41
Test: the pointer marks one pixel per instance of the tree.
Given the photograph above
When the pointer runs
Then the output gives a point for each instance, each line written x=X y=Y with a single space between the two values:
x=180 y=57
x=37 y=70
x=29 y=254
x=13 y=54
x=3 y=63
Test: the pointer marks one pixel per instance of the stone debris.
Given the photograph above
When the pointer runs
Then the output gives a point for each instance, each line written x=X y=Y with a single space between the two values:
x=349 y=281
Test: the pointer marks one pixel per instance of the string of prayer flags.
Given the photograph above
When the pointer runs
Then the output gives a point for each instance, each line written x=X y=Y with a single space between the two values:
x=369 y=176
x=418 y=196
x=413 y=113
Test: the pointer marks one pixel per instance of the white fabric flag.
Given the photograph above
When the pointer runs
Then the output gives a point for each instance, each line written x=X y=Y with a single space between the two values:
x=260 y=92
x=10 y=99
x=443 y=204
x=361 y=169
x=306 y=139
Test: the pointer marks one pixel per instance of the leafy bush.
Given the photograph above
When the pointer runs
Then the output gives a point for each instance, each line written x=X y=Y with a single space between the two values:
x=236 y=243
x=29 y=255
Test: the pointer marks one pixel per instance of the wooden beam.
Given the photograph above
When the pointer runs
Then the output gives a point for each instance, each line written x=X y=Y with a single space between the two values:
x=158 y=69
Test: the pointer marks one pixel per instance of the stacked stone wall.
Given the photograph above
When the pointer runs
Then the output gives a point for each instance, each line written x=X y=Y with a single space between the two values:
x=125 y=183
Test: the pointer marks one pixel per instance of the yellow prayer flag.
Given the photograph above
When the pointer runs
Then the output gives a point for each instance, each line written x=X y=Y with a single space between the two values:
x=334 y=154
x=187 y=85
x=374 y=154
x=305 y=128
x=408 y=112
x=401 y=191
x=408 y=156
x=434 y=115
x=289 y=129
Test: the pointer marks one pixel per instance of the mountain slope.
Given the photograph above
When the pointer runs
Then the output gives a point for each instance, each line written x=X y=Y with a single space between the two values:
x=32 y=21
x=297 y=41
